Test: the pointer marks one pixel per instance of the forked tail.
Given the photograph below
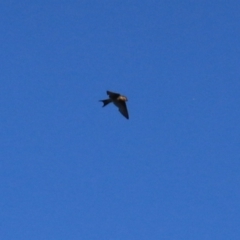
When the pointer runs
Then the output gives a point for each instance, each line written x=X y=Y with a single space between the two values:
x=105 y=102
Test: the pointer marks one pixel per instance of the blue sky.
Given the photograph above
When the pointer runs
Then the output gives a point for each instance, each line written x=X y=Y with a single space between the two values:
x=70 y=169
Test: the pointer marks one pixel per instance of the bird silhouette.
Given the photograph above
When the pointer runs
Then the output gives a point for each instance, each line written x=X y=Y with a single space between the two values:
x=119 y=101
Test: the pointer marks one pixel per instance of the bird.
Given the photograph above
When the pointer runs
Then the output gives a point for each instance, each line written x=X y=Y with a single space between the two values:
x=119 y=101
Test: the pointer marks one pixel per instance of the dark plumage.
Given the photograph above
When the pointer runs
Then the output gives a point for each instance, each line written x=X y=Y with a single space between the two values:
x=119 y=101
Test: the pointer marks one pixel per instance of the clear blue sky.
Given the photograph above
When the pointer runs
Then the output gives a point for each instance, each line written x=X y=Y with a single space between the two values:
x=70 y=169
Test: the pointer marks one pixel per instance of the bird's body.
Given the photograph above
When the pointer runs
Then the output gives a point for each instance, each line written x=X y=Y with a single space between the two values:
x=119 y=101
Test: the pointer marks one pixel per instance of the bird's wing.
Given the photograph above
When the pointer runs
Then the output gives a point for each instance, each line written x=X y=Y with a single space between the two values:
x=113 y=94
x=123 y=109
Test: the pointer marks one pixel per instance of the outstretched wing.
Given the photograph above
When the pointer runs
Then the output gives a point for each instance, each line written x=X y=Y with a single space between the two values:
x=122 y=106
x=113 y=95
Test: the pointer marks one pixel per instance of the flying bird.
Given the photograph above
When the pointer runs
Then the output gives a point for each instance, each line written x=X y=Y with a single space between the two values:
x=119 y=101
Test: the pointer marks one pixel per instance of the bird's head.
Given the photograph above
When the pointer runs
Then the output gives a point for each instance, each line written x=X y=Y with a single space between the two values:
x=123 y=98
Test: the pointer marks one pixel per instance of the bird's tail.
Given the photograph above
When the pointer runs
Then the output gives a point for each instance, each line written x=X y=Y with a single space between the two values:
x=105 y=102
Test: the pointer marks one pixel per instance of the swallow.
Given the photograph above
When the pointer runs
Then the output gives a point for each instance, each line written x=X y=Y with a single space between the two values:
x=119 y=101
